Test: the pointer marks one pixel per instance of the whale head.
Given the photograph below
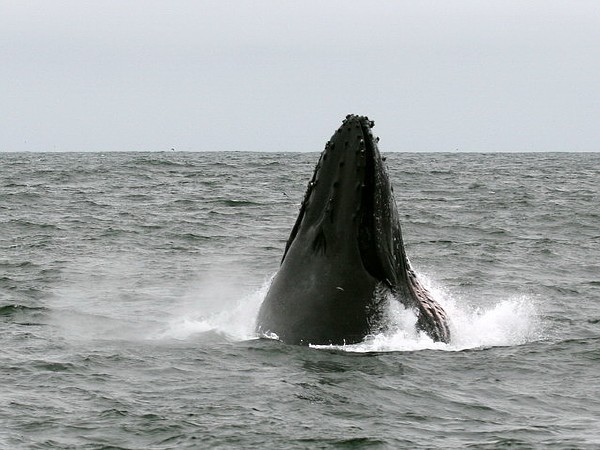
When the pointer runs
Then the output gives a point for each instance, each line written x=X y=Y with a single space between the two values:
x=349 y=208
x=345 y=252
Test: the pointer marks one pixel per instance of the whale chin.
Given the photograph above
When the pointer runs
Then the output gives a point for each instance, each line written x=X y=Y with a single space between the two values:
x=345 y=256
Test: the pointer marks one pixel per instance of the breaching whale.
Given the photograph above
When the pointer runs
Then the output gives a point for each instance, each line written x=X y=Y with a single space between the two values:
x=345 y=256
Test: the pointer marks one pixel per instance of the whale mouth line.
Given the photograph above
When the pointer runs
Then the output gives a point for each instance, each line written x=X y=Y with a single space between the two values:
x=367 y=231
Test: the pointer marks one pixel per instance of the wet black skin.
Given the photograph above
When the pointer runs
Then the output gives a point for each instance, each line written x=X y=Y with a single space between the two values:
x=345 y=253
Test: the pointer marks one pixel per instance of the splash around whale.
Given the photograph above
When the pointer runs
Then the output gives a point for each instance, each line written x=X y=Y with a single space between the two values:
x=345 y=256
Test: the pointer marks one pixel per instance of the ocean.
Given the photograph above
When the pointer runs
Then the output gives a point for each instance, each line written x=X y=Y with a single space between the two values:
x=130 y=283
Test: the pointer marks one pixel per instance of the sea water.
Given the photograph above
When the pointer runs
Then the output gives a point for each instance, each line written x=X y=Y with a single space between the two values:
x=130 y=284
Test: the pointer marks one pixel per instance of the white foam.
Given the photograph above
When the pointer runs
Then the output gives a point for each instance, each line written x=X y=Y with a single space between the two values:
x=511 y=321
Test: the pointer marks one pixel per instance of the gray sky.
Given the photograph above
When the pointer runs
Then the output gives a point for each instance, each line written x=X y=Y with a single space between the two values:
x=278 y=75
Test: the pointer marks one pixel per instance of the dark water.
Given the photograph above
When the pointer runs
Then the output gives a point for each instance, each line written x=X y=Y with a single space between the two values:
x=129 y=284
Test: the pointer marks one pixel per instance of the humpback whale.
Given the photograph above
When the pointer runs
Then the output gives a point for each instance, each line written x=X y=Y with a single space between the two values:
x=345 y=256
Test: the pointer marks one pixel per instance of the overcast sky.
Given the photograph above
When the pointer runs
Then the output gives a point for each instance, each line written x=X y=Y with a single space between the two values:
x=277 y=75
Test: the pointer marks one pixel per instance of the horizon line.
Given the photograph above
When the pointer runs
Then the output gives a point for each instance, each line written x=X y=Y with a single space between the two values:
x=297 y=151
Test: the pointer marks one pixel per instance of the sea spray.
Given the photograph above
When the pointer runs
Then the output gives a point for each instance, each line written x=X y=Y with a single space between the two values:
x=236 y=322
x=510 y=321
